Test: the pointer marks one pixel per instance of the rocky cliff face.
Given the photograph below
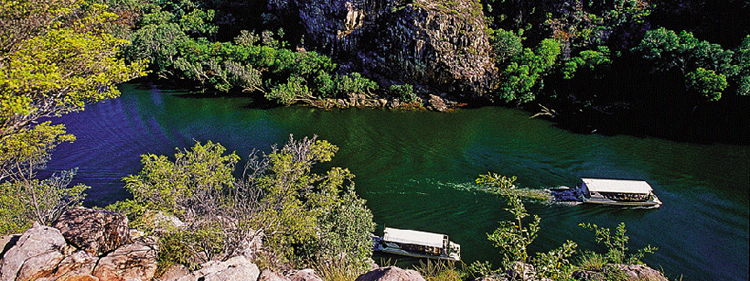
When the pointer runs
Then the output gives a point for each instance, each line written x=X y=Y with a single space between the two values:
x=439 y=46
x=333 y=27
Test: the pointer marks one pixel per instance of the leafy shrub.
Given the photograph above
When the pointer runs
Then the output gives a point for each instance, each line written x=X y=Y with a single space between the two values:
x=24 y=202
x=354 y=84
x=526 y=71
x=617 y=244
x=179 y=187
x=177 y=38
x=337 y=269
x=507 y=44
x=190 y=248
x=707 y=83
x=301 y=216
x=514 y=237
x=404 y=92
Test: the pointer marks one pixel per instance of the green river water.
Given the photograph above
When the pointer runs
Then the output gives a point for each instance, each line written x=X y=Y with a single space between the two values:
x=416 y=170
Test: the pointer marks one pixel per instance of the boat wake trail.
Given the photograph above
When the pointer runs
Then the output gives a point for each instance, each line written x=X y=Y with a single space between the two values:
x=539 y=195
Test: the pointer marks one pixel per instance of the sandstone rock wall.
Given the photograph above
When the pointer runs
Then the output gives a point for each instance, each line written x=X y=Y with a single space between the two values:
x=333 y=26
x=439 y=46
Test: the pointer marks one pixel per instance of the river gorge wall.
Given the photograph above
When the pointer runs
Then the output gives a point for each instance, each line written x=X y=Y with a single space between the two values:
x=439 y=46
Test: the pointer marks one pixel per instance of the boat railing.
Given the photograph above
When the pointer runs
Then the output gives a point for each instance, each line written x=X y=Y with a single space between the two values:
x=630 y=197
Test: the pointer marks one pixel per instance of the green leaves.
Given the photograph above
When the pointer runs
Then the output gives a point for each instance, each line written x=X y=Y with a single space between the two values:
x=56 y=58
x=594 y=61
x=513 y=237
x=526 y=70
x=617 y=250
x=705 y=67
x=23 y=202
x=496 y=180
x=22 y=152
x=171 y=186
x=178 y=37
x=555 y=264
x=302 y=216
x=707 y=83
x=346 y=230
x=742 y=60
x=507 y=44
x=404 y=92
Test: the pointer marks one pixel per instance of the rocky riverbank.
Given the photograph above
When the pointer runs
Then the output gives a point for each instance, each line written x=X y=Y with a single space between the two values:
x=93 y=244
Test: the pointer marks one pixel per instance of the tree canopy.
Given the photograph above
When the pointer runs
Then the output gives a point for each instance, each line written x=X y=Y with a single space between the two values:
x=55 y=57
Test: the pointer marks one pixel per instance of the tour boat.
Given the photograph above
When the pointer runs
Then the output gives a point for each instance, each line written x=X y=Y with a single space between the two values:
x=626 y=193
x=419 y=244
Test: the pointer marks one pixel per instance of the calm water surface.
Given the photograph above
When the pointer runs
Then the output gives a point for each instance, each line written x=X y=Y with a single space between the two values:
x=416 y=170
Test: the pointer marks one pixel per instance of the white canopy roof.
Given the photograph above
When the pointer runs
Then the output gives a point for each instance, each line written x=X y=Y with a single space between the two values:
x=413 y=237
x=617 y=186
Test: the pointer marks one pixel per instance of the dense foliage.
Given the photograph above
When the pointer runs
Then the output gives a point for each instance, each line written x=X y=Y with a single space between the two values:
x=623 y=65
x=301 y=217
x=180 y=37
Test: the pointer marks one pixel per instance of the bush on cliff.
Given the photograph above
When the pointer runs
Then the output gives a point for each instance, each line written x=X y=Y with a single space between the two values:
x=24 y=202
x=300 y=216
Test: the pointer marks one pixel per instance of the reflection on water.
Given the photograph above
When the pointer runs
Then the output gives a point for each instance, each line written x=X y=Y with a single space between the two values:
x=414 y=167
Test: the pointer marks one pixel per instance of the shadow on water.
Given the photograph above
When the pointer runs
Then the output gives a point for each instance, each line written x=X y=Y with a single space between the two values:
x=724 y=121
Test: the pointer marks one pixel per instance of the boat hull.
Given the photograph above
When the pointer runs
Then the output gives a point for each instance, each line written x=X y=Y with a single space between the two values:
x=609 y=202
x=401 y=252
x=380 y=245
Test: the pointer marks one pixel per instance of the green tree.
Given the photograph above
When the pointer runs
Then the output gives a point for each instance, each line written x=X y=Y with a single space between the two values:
x=669 y=50
x=177 y=186
x=587 y=24
x=345 y=232
x=707 y=83
x=526 y=70
x=316 y=214
x=404 y=92
x=179 y=38
x=53 y=63
x=507 y=44
x=56 y=57
x=592 y=61
x=26 y=201
x=742 y=59
x=704 y=67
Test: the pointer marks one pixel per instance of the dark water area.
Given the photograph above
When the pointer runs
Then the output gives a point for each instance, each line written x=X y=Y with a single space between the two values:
x=416 y=170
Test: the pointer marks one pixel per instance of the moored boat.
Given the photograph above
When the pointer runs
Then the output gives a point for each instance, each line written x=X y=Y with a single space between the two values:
x=419 y=244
